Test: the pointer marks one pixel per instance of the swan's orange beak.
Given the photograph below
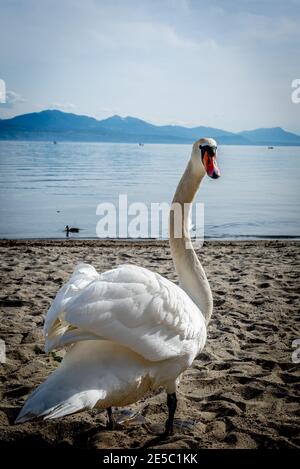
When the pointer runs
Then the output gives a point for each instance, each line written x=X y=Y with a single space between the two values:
x=210 y=165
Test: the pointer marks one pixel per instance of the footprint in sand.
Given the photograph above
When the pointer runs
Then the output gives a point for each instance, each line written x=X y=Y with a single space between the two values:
x=289 y=378
x=250 y=392
x=257 y=302
x=219 y=301
x=221 y=292
x=264 y=285
x=238 y=297
x=12 y=303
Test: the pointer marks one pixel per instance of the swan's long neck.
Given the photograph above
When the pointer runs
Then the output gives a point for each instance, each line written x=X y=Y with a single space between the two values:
x=191 y=273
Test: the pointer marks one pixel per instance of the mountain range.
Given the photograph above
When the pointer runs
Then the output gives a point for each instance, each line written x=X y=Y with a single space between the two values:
x=61 y=126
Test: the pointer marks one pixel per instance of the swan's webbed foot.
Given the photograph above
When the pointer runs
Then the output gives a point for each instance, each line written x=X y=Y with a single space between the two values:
x=111 y=423
x=172 y=404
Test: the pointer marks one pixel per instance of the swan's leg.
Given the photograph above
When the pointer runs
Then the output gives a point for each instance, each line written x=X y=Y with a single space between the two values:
x=172 y=404
x=111 y=421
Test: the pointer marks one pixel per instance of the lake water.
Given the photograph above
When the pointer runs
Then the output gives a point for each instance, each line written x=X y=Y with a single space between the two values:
x=44 y=187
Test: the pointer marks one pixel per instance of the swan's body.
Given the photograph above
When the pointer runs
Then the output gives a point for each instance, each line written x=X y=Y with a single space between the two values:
x=128 y=330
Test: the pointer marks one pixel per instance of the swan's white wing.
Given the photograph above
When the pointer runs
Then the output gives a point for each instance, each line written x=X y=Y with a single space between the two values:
x=56 y=330
x=91 y=373
x=129 y=305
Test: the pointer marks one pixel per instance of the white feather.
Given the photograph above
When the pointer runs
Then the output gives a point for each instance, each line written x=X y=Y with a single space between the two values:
x=128 y=330
x=131 y=329
x=129 y=305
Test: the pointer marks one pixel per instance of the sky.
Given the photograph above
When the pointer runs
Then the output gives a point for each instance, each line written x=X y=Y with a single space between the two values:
x=220 y=63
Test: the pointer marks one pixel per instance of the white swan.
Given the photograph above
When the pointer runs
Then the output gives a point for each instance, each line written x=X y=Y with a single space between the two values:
x=128 y=330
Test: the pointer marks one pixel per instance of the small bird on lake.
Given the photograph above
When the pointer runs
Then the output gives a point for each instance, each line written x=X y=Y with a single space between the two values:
x=71 y=230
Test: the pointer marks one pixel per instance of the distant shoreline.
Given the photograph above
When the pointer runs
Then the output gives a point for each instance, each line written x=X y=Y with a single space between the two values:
x=58 y=141
x=131 y=241
x=54 y=125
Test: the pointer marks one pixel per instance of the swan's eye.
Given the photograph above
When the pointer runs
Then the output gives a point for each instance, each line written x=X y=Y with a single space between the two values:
x=211 y=150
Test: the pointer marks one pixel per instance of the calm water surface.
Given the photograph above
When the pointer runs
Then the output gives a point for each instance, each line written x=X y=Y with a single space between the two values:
x=44 y=187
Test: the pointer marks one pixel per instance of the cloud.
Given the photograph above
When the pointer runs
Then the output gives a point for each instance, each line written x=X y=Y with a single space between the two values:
x=221 y=63
x=12 y=98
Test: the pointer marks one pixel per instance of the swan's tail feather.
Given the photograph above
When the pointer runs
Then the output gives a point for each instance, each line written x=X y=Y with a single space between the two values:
x=40 y=407
x=64 y=392
x=92 y=373
x=63 y=409
x=77 y=384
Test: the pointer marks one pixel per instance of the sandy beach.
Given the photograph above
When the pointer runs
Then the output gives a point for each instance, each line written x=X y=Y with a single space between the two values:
x=242 y=390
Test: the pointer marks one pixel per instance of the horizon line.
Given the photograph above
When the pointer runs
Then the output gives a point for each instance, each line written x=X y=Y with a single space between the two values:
x=148 y=122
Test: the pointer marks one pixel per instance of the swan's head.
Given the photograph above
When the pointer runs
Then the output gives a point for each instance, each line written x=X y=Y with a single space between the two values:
x=205 y=153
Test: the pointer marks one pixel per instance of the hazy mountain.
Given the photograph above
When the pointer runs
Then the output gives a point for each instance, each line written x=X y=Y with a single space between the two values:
x=131 y=126
x=272 y=136
x=49 y=120
x=58 y=125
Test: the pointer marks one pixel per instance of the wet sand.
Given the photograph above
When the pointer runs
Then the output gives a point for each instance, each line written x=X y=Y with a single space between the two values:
x=242 y=390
